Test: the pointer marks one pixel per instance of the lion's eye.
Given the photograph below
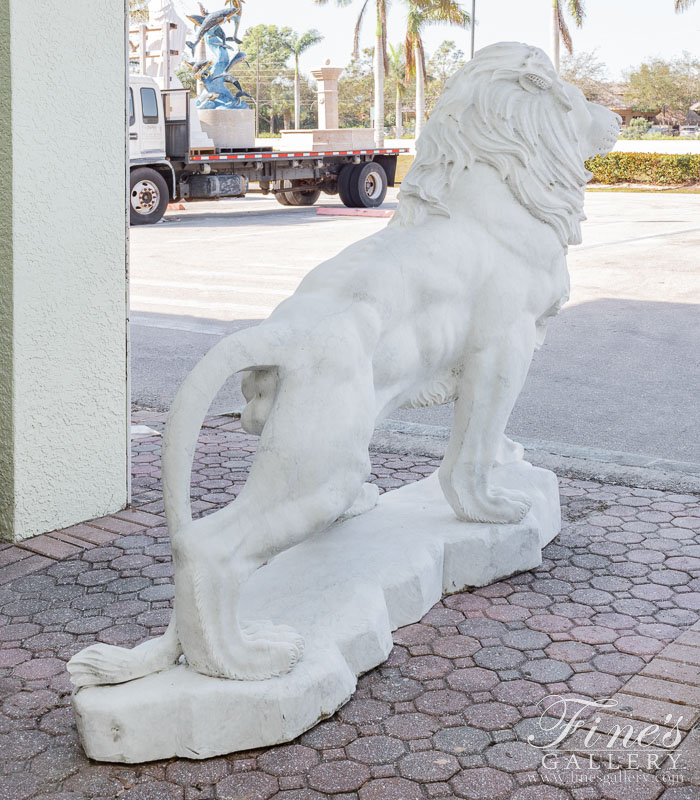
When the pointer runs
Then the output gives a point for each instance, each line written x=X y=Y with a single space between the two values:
x=537 y=80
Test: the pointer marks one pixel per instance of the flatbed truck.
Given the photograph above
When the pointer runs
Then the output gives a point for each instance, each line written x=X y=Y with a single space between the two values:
x=165 y=168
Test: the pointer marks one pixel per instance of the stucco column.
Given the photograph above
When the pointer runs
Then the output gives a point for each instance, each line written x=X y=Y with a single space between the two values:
x=63 y=330
x=327 y=79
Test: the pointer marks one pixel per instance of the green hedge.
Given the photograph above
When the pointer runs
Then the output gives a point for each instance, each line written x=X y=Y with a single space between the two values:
x=659 y=169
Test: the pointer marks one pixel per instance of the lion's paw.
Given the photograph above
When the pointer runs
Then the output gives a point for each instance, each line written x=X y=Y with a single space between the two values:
x=501 y=506
x=104 y=664
x=267 y=651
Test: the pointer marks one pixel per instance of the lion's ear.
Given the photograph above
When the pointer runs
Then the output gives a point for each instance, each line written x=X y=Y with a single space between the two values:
x=533 y=81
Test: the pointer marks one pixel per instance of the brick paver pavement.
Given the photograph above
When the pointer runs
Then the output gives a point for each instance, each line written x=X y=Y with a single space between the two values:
x=613 y=610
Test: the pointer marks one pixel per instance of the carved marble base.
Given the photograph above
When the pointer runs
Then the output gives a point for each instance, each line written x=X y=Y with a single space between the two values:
x=345 y=591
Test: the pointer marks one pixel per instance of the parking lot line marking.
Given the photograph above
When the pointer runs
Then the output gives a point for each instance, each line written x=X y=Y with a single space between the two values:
x=190 y=327
x=284 y=272
x=210 y=287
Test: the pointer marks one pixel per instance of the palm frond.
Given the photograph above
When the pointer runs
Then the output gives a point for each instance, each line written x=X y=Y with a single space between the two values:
x=564 y=31
x=305 y=41
x=449 y=16
x=577 y=11
x=358 y=27
x=409 y=49
x=381 y=22
x=422 y=13
x=421 y=56
x=449 y=11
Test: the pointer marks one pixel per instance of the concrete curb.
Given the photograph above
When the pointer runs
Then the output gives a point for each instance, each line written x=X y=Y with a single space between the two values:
x=566 y=460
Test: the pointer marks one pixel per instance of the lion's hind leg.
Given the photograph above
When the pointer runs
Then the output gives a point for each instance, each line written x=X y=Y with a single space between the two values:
x=211 y=568
x=309 y=469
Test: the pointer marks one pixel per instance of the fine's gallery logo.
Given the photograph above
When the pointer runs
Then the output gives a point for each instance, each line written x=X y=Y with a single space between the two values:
x=587 y=736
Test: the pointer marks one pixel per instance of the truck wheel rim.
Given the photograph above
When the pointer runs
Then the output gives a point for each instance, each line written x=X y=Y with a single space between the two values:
x=145 y=197
x=373 y=185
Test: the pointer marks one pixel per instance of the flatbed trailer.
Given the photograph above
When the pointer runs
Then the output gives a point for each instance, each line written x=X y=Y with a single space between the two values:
x=165 y=167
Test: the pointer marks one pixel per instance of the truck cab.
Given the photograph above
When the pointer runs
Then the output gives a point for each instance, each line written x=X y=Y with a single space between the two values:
x=153 y=118
x=146 y=121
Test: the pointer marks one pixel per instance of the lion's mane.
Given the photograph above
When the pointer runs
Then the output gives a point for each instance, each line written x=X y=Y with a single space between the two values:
x=506 y=108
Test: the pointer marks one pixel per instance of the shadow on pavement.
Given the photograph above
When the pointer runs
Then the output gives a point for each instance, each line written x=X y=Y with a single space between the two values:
x=612 y=374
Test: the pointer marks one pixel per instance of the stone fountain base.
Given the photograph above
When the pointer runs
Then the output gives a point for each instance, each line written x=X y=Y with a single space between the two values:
x=230 y=128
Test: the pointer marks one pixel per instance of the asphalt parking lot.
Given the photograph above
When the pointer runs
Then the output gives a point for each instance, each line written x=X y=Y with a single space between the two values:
x=619 y=370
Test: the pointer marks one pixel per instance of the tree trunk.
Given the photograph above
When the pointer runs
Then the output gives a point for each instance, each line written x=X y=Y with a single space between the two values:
x=556 y=38
x=297 y=98
x=399 y=115
x=420 y=94
x=379 y=91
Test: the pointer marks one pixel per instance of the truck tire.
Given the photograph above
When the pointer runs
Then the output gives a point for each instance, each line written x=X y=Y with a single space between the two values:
x=344 y=181
x=282 y=198
x=303 y=197
x=368 y=185
x=149 y=196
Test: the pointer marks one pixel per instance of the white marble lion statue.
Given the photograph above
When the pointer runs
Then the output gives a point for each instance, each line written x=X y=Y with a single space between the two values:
x=447 y=303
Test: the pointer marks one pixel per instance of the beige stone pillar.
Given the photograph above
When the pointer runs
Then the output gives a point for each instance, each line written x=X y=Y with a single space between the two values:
x=327 y=78
x=63 y=311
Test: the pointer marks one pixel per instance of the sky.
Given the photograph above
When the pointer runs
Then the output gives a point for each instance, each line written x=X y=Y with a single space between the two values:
x=623 y=32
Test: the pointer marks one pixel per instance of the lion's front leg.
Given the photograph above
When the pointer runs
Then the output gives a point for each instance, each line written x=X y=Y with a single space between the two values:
x=490 y=385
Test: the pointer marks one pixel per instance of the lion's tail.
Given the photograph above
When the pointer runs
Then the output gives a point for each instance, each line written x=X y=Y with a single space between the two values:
x=243 y=350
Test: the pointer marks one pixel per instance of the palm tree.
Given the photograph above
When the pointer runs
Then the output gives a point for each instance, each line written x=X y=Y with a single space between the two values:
x=435 y=12
x=297 y=46
x=397 y=67
x=381 y=58
x=560 y=31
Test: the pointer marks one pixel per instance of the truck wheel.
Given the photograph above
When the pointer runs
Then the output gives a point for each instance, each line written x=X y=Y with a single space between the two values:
x=344 y=181
x=282 y=198
x=303 y=197
x=368 y=185
x=149 y=196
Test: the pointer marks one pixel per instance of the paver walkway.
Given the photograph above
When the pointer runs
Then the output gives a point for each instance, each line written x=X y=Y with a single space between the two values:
x=448 y=715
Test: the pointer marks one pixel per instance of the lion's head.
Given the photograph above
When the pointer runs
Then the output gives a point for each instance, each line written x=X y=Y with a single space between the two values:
x=508 y=108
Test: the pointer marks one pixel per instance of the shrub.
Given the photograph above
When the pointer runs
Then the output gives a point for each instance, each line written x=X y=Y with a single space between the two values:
x=659 y=169
x=636 y=129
